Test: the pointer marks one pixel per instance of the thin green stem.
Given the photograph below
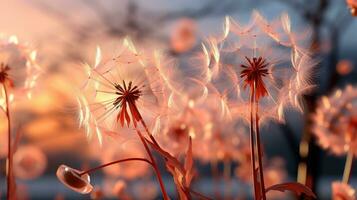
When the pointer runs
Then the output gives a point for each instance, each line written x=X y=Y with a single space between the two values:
x=348 y=167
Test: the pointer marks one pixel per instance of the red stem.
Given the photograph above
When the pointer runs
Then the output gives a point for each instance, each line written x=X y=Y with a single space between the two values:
x=114 y=162
x=9 y=153
x=252 y=151
x=261 y=174
x=153 y=161
x=154 y=164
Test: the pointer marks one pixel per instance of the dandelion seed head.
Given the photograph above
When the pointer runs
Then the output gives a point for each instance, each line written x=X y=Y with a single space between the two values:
x=18 y=67
x=267 y=55
x=120 y=91
x=336 y=121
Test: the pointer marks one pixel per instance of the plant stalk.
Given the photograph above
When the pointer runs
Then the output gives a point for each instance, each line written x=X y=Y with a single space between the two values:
x=348 y=167
x=154 y=164
x=257 y=131
x=153 y=161
x=114 y=162
x=252 y=151
x=9 y=151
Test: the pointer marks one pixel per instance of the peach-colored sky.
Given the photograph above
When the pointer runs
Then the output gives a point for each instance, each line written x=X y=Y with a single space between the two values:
x=20 y=18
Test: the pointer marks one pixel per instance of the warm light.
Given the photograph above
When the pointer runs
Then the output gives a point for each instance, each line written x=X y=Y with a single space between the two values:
x=13 y=39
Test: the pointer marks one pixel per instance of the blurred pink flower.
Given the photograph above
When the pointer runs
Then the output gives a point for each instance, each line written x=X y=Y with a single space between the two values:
x=117 y=188
x=29 y=162
x=336 y=121
x=344 y=67
x=183 y=36
x=342 y=191
x=96 y=194
x=148 y=190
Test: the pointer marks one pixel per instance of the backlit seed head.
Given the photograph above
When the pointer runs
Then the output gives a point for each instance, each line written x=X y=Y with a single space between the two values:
x=121 y=91
x=335 y=121
x=264 y=59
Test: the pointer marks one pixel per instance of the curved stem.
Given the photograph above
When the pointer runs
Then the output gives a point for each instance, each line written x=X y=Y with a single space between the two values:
x=114 y=162
x=348 y=167
x=154 y=164
x=9 y=151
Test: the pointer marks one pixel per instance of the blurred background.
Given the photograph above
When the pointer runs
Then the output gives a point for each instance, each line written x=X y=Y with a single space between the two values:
x=66 y=33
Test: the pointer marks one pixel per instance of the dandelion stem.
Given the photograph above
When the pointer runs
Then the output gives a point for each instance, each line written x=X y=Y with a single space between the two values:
x=154 y=164
x=259 y=187
x=261 y=174
x=348 y=167
x=252 y=151
x=9 y=151
x=114 y=162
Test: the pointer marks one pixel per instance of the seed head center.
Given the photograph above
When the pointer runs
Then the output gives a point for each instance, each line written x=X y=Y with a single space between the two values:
x=253 y=72
x=4 y=72
x=127 y=93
